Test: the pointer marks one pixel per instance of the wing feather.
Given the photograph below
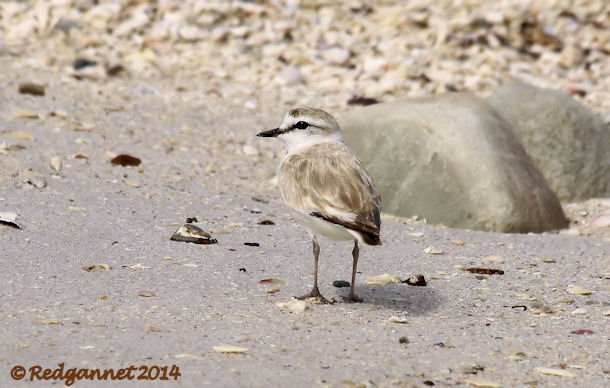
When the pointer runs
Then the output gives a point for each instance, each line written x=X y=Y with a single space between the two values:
x=327 y=181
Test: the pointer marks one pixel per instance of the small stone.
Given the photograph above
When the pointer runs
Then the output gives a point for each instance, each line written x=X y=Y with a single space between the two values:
x=272 y=290
x=291 y=75
x=579 y=311
x=341 y=283
x=81 y=63
x=32 y=89
x=336 y=55
x=145 y=294
x=249 y=150
x=403 y=340
x=493 y=259
x=458 y=243
x=396 y=319
x=433 y=251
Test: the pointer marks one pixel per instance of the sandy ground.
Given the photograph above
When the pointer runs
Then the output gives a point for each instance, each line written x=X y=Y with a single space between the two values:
x=198 y=161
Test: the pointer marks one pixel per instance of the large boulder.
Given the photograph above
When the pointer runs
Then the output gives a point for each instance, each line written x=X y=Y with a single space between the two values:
x=453 y=160
x=568 y=142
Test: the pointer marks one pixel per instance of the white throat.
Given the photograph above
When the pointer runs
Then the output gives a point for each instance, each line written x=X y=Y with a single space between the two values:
x=297 y=140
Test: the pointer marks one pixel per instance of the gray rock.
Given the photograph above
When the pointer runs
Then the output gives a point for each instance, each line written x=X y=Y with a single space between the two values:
x=568 y=142
x=453 y=160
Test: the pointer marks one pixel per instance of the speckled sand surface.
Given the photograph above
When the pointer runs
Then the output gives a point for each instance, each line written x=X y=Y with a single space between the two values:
x=192 y=118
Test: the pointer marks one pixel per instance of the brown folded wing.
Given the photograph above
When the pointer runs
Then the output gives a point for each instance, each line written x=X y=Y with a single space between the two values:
x=327 y=181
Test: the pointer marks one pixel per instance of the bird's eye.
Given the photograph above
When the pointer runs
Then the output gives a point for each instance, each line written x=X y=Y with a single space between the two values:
x=301 y=125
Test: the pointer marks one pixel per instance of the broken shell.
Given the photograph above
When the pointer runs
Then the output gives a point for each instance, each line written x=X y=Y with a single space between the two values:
x=193 y=234
x=433 y=251
x=9 y=219
x=553 y=372
x=482 y=383
x=417 y=281
x=145 y=294
x=96 y=267
x=578 y=290
x=56 y=163
x=229 y=349
x=126 y=160
x=382 y=280
x=293 y=306
x=272 y=282
x=396 y=319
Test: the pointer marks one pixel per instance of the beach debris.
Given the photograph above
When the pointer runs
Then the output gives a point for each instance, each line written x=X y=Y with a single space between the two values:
x=433 y=251
x=397 y=319
x=9 y=219
x=272 y=282
x=188 y=356
x=145 y=294
x=416 y=281
x=484 y=271
x=553 y=372
x=293 y=305
x=32 y=89
x=229 y=349
x=266 y=222
x=96 y=267
x=56 y=163
x=382 y=280
x=578 y=290
x=341 y=283
x=482 y=383
x=252 y=244
x=125 y=160
x=193 y=234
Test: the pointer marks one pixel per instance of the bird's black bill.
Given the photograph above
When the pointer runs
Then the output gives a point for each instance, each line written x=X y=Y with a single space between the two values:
x=271 y=133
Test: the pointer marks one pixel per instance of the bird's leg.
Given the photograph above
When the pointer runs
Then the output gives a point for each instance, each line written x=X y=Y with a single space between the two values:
x=352 y=297
x=314 y=295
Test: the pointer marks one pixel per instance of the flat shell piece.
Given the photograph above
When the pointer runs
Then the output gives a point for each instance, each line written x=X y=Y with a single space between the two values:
x=382 y=280
x=9 y=219
x=293 y=305
x=193 y=234
x=554 y=372
x=229 y=349
x=578 y=290
x=482 y=383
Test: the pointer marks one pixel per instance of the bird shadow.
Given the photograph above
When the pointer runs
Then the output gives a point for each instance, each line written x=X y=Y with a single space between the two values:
x=414 y=300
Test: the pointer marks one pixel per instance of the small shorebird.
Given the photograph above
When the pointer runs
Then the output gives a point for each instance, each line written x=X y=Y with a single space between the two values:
x=327 y=187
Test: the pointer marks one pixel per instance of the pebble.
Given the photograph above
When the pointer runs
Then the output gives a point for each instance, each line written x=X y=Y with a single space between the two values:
x=580 y=311
x=32 y=89
x=291 y=75
x=341 y=283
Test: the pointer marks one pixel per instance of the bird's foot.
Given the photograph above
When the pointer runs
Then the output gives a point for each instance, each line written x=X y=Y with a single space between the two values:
x=352 y=298
x=314 y=297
